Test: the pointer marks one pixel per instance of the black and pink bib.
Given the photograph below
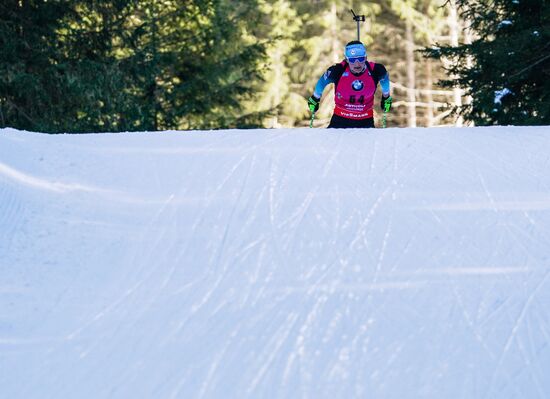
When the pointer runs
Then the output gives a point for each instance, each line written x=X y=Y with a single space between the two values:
x=354 y=95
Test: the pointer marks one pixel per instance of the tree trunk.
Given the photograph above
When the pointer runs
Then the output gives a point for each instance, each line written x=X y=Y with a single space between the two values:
x=334 y=32
x=278 y=67
x=411 y=83
x=429 y=96
x=469 y=61
x=454 y=32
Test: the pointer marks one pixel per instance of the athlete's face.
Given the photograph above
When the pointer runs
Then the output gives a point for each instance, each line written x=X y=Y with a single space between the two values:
x=357 y=65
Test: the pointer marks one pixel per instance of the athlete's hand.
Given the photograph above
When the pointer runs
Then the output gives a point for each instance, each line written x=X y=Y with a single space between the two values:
x=313 y=103
x=385 y=104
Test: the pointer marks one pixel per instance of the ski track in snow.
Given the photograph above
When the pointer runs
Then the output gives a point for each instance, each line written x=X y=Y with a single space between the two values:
x=280 y=263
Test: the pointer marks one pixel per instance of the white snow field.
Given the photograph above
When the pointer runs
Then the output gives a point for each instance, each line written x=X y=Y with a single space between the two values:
x=307 y=263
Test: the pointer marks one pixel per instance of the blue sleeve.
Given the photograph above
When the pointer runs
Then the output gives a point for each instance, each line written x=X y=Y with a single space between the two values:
x=385 y=84
x=327 y=78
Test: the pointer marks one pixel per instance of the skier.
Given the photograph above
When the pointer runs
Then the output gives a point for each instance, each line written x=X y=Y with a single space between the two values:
x=355 y=80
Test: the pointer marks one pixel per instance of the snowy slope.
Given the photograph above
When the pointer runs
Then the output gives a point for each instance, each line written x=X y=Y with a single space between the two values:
x=397 y=263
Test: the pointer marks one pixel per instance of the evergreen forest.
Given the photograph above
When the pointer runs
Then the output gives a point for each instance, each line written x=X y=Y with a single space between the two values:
x=148 y=65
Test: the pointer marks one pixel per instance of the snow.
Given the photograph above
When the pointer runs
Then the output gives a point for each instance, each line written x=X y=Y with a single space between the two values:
x=396 y=263
x=499 y=94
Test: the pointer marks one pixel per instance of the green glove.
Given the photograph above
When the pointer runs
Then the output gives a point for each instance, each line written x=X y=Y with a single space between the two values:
x=385 y=104
x=313 y=103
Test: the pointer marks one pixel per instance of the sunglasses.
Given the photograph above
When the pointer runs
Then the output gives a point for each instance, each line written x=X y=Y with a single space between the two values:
x=353 y=60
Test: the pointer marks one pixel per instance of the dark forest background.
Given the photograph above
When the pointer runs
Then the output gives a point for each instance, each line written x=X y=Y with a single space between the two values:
x=127 y=65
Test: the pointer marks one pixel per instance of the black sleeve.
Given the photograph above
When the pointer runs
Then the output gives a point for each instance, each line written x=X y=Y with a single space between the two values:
x=379 y=72
x=335 y=73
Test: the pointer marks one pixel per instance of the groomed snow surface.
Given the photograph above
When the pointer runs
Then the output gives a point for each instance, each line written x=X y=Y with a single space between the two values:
x=307 y=263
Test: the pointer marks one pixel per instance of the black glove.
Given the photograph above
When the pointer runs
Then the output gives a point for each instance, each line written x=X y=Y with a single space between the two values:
x=313 y=103
x=385 y=104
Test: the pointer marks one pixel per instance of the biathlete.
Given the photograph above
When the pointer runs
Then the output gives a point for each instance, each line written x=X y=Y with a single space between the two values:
x=355 y=80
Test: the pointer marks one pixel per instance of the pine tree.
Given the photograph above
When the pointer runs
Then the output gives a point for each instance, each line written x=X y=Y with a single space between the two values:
x=32 y=81
x=194 y=63
x=92 y=40
x=506 y=68
x=59 y=71
x=115 y=65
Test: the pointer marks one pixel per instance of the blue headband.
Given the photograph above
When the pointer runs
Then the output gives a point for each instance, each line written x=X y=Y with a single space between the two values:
x=355 y=50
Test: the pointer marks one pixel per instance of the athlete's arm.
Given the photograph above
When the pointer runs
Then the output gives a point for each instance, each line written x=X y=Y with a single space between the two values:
x=385 y=85
x=330 y=76
x=383 y=77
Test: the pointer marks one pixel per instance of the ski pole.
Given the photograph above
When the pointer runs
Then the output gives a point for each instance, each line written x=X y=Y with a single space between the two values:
x=387 y=106
x=312 y=118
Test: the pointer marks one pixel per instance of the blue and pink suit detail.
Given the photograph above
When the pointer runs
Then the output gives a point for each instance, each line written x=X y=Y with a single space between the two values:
x=354 y=94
